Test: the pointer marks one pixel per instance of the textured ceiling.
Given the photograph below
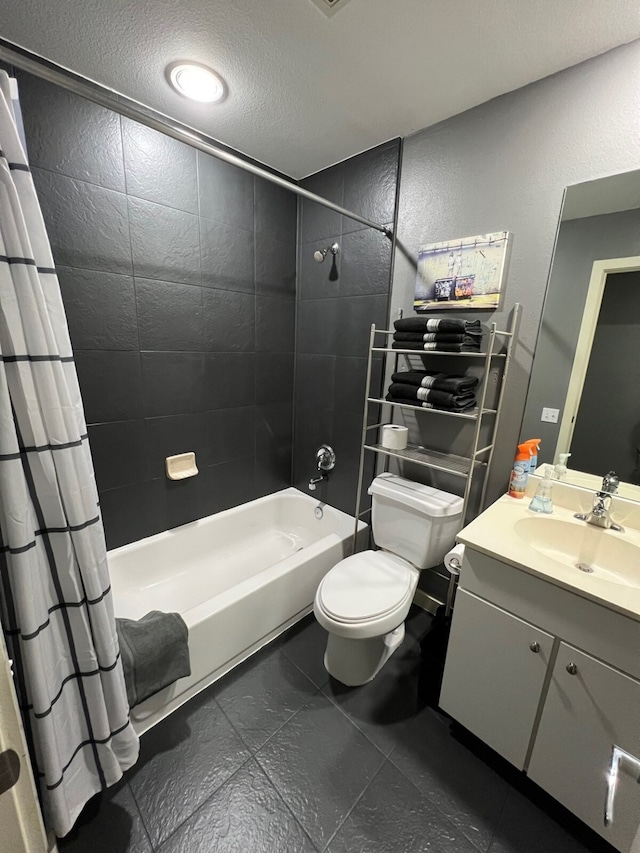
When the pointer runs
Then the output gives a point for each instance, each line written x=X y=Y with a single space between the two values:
x=307 y=91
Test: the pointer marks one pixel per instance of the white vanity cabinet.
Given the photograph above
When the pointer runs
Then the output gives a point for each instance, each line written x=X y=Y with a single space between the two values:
x=589 y=708
x=551 y=681
x=497 y=672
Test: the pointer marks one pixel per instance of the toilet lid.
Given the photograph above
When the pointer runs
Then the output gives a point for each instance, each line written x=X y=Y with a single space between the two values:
x=365 y=586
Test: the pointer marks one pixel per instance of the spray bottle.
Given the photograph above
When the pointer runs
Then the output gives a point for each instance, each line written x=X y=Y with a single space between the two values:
x=534 y=444
x=520 y=472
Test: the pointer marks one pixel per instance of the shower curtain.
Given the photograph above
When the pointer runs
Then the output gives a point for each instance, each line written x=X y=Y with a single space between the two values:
x=55 y=601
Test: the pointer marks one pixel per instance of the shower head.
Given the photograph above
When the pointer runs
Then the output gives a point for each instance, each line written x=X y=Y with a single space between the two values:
x=320 y=254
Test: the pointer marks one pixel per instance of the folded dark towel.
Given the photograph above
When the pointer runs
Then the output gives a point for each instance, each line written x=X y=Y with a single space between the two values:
x=423 y=405
x=439 y=381
x=438 y=338
x=154 y=652
x=437 y=324
x=400 y=390
x=435 y=347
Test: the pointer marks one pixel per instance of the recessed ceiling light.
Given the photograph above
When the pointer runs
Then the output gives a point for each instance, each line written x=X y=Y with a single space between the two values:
x=196 y=82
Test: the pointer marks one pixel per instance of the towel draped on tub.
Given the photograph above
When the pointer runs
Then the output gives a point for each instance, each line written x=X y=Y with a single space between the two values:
x=154 y=652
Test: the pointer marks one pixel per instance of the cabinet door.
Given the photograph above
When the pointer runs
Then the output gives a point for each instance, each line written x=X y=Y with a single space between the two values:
x=494 y=674
x=589 y=708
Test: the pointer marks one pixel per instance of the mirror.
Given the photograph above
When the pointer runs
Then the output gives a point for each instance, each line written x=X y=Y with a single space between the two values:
x=586 y=369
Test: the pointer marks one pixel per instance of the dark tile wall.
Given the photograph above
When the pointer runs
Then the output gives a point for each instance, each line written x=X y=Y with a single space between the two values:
x=178 y=276
x=336 y=306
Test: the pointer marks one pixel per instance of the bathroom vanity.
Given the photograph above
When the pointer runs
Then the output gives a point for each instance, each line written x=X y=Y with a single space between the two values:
x=543 y=661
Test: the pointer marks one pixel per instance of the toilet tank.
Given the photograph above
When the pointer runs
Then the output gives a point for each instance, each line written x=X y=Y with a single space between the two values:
x=413 y=521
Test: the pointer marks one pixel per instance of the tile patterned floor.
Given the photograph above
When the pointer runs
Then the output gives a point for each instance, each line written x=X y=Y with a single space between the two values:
x=278 y=758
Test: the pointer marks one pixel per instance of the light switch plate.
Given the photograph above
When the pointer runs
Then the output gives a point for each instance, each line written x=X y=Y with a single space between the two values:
x=550 y=416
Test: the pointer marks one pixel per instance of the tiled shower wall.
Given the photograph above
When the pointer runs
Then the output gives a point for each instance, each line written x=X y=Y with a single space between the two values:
x=336 y=306
x=178 y=277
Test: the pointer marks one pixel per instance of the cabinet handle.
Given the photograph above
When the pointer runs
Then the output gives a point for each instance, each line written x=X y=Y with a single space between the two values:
x=572 y=668
x=535 y=647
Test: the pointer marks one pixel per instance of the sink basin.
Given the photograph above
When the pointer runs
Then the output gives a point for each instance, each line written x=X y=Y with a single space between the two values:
x=603 y=554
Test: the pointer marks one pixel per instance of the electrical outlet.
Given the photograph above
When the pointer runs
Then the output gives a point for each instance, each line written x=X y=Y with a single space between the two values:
x=550 y=416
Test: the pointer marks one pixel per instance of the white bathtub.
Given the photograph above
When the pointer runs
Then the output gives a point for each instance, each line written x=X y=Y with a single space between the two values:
x=239 y=578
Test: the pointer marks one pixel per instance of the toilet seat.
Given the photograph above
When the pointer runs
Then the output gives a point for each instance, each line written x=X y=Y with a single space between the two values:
x=366 y=595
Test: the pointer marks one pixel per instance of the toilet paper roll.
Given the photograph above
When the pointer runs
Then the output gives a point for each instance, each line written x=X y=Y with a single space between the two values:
x=453 y=560
x=394 y=437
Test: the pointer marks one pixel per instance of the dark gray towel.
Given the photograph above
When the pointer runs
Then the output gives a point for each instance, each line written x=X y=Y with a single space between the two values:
x=154 y=652
x=436 y=347
x=438 y=324
x=470 y=404
x=411 y=393
x=438 y=338
x=439 y=381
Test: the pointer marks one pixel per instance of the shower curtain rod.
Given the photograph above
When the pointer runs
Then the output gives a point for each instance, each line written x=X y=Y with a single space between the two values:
x=113 y=100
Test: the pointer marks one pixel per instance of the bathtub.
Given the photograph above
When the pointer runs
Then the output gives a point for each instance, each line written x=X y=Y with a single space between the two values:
x=239 y=578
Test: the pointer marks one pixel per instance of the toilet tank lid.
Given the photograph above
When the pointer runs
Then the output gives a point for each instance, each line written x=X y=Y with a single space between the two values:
x=426 y=499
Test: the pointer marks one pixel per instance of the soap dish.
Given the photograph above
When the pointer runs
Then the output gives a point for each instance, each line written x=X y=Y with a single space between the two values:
x=181 y=466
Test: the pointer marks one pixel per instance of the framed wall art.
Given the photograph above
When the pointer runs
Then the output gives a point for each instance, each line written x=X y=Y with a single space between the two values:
x=465 y=273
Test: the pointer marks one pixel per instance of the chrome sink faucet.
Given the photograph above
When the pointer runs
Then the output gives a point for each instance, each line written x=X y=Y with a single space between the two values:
x=600 y=514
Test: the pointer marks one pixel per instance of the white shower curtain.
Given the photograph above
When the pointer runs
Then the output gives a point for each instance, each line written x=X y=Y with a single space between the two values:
x=55 y=599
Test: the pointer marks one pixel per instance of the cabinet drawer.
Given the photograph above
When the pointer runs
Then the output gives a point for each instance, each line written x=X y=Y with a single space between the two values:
x=494 y=675
x=590 y=707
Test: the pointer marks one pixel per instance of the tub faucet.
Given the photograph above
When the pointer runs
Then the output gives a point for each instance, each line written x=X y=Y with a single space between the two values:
x=325 y=462
x=313 y=482
x=600 y=514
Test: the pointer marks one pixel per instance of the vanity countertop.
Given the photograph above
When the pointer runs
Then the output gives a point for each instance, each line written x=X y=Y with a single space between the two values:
x=553 y=546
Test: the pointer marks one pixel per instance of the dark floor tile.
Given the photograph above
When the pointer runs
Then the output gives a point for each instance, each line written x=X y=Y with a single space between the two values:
x=118 y=451
x=304 y=644
x=159 y=168
x=87 y=225
x=262 y=694
x=70 y=135
x=165 y=242
x=246 y=815
x=458 y=781
x=170 y=316
x=320 y=763
x=526 y=827
x=100 y=309
x=109 y=823
x=183 y=761
x=383 y=706
x=394 y=817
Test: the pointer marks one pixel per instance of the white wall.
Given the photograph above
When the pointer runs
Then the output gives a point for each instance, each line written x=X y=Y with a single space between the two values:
x=504 y=165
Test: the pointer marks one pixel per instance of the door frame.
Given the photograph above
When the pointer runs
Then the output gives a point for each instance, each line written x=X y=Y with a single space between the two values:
x=599 y=272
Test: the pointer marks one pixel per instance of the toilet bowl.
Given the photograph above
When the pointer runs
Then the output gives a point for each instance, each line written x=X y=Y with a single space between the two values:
x=362 y=601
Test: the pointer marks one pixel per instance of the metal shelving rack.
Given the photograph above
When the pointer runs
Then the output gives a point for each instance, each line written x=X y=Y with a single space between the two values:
x=460 y=466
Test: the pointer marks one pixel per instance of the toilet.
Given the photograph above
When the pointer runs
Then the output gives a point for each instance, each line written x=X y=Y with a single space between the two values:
x=363 y=600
